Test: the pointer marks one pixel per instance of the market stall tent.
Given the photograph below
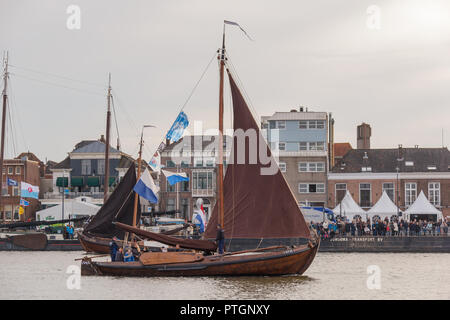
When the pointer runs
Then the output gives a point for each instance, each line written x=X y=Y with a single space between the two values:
x=383 y=208
x=422 y=207
x=349 y=208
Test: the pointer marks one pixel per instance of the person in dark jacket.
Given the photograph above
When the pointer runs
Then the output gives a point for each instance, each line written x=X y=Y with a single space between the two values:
x=119 y=254
x=113 y=247
x=220 y=238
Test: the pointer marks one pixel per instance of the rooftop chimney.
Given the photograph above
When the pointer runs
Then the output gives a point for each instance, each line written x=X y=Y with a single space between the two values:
x=102 y=138
x=363 y=135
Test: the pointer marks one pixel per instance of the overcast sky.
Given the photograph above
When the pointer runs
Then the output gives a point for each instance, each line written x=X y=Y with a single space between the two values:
x=386 y=63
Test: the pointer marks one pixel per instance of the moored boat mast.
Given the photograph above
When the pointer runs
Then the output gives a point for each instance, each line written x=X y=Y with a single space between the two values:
x=5 y=99
x=221 y=58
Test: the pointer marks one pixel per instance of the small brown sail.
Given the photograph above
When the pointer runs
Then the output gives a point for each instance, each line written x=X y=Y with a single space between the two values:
x=256 y=206
x=118 y=207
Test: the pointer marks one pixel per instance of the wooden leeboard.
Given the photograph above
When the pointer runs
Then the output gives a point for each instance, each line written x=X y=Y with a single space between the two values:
x=151 y=258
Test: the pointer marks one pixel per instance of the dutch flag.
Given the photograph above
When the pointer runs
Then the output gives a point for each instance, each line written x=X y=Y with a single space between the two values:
x=146 y=187
x=174 y=177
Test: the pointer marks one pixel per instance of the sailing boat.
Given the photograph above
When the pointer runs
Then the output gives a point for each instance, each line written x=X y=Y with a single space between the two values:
x=252 y=208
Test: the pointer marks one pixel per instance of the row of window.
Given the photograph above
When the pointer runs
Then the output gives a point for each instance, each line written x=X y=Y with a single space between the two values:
x=305 y=167
x=365 y=195
x=11 y=170
x=197 y=163
x=302 y=124
x=311 y=187
x=304 y=146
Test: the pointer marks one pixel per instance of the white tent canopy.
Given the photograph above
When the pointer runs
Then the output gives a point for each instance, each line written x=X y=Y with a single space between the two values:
x=349 y=208
x=72 y=209
x=423 y=206
x=383 y=208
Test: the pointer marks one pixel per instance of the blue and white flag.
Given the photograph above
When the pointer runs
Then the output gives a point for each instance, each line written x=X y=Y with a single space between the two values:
x=24 y=203
x=29 y=191
x=12 y=182
x=174 y=177
x=177 y=129
x=146 y=187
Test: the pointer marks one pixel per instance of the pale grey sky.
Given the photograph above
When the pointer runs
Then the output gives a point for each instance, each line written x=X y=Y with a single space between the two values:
x=320 y=54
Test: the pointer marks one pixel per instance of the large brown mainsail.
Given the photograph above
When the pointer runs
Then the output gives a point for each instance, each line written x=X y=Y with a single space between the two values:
x=257 y=206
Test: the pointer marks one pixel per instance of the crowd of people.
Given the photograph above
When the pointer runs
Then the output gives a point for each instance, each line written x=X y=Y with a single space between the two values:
x=127 y=254
x=379 y=227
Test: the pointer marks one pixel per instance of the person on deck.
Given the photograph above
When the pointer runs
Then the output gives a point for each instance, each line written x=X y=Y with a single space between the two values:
x=220 y=238
x=113 y=247
x=128 y=256
x=119 y=255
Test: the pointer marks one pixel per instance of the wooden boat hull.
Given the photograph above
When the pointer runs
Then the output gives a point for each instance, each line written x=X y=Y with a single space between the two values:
x=288 y=261
x=95 y=244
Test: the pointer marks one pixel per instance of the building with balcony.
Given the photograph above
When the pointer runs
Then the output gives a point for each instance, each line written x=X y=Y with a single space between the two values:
x=196 y=156
x=299 y=139
x=82 y=173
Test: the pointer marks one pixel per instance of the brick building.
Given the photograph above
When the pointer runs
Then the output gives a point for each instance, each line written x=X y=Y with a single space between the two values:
x=19 y=170
x=403 y=173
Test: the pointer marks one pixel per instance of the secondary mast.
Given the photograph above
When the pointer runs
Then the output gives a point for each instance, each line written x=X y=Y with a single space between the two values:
x=108 y=124
x=5 y=99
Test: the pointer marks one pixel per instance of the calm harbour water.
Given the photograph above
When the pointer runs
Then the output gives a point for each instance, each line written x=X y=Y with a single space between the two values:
x=42 y=275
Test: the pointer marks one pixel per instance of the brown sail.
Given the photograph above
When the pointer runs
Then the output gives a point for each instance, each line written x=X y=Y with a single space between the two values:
x=255 y=206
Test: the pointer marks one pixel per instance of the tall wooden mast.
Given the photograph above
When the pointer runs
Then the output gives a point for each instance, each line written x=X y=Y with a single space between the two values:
x=108 y=125
x=5 y=99
x=221 y=58
x=136 y=195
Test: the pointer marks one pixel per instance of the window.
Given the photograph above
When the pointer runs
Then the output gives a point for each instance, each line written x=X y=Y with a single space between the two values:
x=341 y=190
x=185 y=208
x=410 y=193
x=101 y=166
x=199 y=162
x=409 y=163
x=15 y=191
x=10 y=170
x=184 y=164
x=170 y=188
x=170 y=164
x=303 y=188
x=303 y=146
x=210 y=163
x=170 y=204
x=302 y=167
x=303 y=124
x=320 y=166
x=282 y=166
x=202 y=180
x=364 y=195
x=366 y=169
x=312 y=124
x=434 y=193
x=85 y=167
x=281 y=124
x=431 y=168
x=17 y=170
x=282 y=146
x=184 y=185
x=320 y=124
x=389 y=188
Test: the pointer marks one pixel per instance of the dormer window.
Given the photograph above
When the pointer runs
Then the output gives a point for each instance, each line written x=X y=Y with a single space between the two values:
x=409 y=163
x=431 y=167
x=366 y=169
